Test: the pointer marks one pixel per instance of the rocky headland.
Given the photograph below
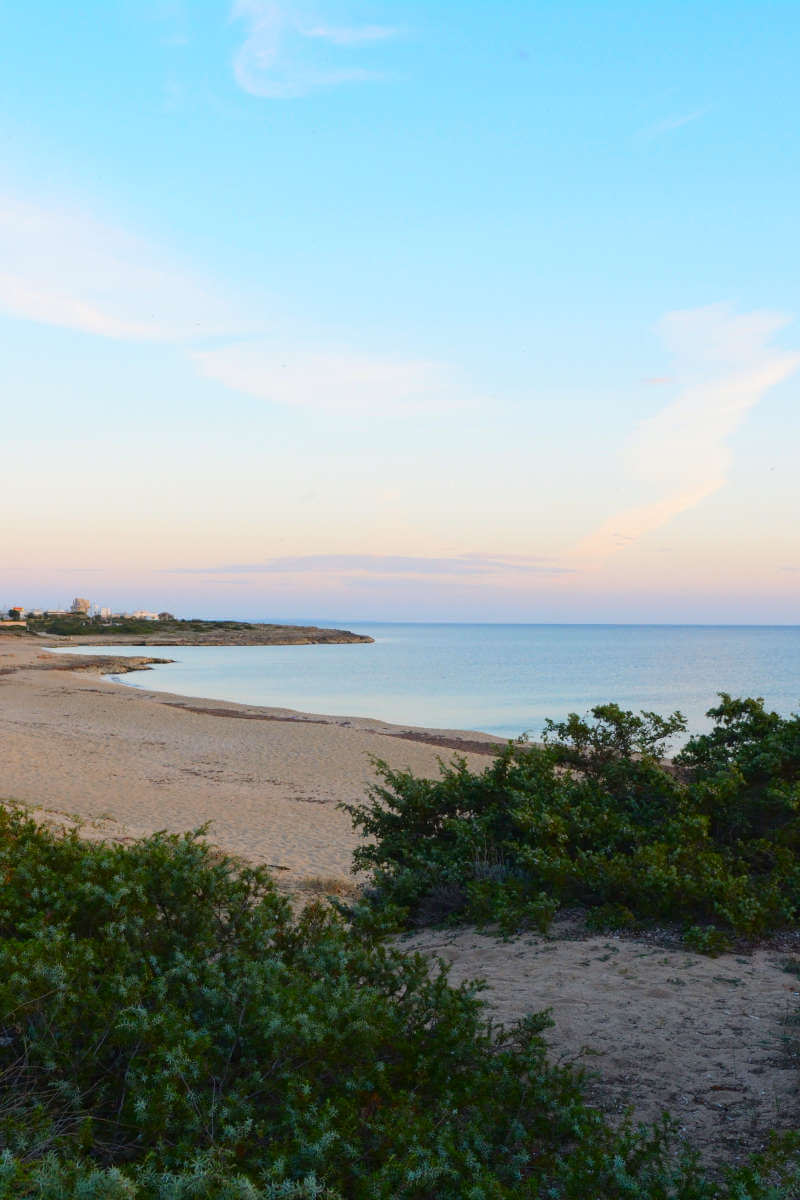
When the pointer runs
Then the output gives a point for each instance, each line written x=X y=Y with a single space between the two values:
x=207 y=633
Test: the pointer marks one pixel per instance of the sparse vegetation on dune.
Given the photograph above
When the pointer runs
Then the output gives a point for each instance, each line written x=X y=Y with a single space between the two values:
x=596 y=817
x=168 y=1029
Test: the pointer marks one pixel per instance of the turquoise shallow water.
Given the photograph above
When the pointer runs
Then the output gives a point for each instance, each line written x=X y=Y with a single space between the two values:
x=502 y=679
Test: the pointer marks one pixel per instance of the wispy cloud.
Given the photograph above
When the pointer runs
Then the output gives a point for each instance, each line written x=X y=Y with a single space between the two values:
x=386 y=566
x=63 y=268
x=60 y=267
x=282 y=57
x=670 y=124
x=359 y=36
x=335 y=380
x=726 y=364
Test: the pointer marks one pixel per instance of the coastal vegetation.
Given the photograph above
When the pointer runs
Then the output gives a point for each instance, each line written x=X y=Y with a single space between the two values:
x=171 y=630
x=596 y=818
x=169 y=1030
x=76 y=624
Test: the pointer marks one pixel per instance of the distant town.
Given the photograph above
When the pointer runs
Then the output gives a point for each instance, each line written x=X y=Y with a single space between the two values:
x=20 y=614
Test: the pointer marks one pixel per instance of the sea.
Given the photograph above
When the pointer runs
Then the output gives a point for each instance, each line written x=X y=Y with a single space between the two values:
x=499 y=679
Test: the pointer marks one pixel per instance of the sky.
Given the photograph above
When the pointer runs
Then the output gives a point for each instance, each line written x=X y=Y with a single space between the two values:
x=385 y=310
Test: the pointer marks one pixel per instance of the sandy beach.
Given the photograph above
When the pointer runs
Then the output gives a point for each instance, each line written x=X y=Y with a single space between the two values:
x=126 y=761
x=663 y=1028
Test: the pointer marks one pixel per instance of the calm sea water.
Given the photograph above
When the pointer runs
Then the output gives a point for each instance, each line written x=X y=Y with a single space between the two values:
x=502 y=679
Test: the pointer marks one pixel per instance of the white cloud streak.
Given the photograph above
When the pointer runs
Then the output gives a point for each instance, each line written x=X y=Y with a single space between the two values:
x=64 y=269
x=351 y=36
x=670 y=124
x=59 y=267
x=725 y=364
x=336 y=380
x=283 y=58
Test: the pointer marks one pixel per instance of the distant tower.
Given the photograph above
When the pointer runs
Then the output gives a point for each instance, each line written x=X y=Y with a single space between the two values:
x=81 y=605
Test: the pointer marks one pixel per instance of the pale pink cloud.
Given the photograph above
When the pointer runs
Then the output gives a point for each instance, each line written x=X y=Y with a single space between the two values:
x=726 y=364
x=387 y=566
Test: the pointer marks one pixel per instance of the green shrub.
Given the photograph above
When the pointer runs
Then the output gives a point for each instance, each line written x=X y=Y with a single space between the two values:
x=706 y=939
x=595 y=817
x=169 y=1030
x=610 y=917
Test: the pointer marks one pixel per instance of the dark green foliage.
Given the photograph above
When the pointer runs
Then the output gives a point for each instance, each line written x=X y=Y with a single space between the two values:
x=707 y=939
x=74 y=624
x=169 y=1031
x=595 y=817
x=747 y=774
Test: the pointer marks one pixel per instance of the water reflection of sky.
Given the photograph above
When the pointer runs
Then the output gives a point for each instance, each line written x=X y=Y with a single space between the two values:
x=503 y=679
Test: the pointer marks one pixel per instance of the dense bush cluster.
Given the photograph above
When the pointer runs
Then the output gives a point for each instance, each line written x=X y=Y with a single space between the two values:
x=77 y=624
x=595 y=817
x=168 y=1030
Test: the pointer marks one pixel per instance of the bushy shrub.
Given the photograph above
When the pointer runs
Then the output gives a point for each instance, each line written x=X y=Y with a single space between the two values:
x=706 y=939
x=595 y=817
x=169 y=1030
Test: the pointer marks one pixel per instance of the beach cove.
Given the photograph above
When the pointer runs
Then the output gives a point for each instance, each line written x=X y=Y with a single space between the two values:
x=663 y=1028
x=126 y=761
x=503 y=680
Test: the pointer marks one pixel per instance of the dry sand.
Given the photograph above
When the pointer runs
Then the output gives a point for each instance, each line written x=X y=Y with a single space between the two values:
x=663 y=1028
x=127 y=761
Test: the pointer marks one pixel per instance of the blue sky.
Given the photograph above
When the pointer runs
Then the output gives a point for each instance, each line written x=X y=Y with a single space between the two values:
x=475 y=311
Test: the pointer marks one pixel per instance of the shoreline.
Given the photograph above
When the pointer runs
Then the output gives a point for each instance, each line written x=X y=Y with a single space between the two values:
x=126 y=761
x=107 y=666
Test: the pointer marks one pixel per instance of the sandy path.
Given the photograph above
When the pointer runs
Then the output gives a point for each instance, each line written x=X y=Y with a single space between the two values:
x=663 y=1029
x=128 y=761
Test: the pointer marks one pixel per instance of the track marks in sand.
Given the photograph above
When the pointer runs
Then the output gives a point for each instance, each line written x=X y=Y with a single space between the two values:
x=659 y=1029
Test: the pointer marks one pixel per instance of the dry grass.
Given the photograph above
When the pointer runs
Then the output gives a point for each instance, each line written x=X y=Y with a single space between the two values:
x=325 y=885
